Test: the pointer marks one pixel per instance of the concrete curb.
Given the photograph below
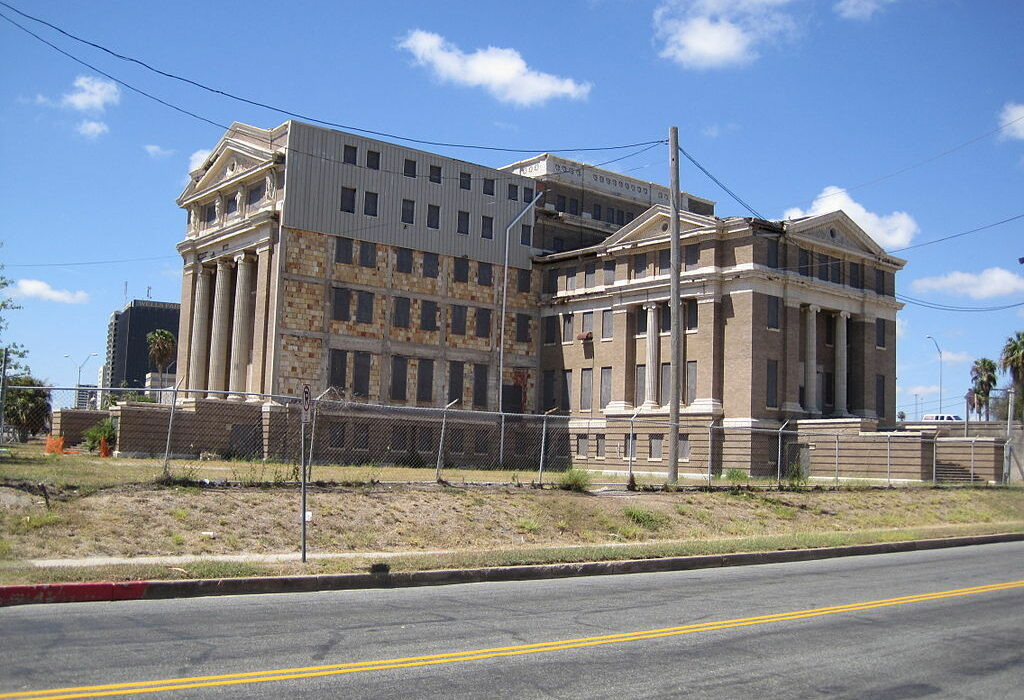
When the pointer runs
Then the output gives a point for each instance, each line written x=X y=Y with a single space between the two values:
x=192 y=588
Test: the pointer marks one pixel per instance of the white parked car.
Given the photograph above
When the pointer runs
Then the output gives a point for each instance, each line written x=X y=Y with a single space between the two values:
x=940 y=416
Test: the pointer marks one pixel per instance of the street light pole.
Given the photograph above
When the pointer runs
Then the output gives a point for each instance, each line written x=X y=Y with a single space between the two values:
x=937 y=348
x=78 y=382
x=501 y=328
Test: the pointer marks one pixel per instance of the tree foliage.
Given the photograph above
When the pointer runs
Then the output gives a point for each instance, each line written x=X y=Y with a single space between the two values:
x=163 y=348
x=27 y=410
x=1011 y=361
x=983 y=380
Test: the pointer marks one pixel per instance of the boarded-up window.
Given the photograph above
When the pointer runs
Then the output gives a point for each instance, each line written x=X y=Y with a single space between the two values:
x=522 y=328
x=665 y=384
x=563 y=399
x=551 y=329
x=480 y=386
x=338 y=370
x=488 y=185
x=548 y=389
x=425 y=381
x=408 y=211
x=465 y=181
x=367 y=254
x=463 y=223
x=400 y=318
x=435 y=174
x=487 y=227
x=433 y=216
x=607 y=328
x=606 y=386
x=403 y=260
x=348 y=200
x=524 y=280
x=654 y=446
x=772 y=385
x=691 y=315
x=399 y=370
x=581 y=446
x=373 y=160
x=430 y=265
x=483 y=323
x=361 y=374
x=364 y=307
x=428 y=315
x=484 y=274
x=586 y=388
x=370 y=203
x=691 y=256
x=773 y=312
x=640 y=385
x=566 y=328
x=691 y=381
x=589 y=275
x=460 y=271
x=410 y=168
x=880 y=332
x=526 y=234
x=458 y=319
x=609 y=272
x=343 y=250
x=456 y=380
x=639 y=265
x=341 y=304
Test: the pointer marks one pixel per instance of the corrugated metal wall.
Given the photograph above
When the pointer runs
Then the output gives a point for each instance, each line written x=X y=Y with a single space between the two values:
x=317 y=173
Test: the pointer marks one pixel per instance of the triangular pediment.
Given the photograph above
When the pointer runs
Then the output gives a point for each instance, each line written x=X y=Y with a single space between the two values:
x=230 y=159
x=834 y=229
x=654 y=224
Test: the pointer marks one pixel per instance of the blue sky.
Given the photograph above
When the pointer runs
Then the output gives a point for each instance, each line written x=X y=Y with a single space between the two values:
x=902 y=101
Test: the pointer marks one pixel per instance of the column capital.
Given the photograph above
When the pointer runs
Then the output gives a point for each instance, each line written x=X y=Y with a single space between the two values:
x=243 y=257
x=203 y=269
x=224 y=264
x=813 y=308
x=844 y=314
x=650 y=306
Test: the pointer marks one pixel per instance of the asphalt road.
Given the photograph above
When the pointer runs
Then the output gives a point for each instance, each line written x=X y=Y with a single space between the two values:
x=964 y=645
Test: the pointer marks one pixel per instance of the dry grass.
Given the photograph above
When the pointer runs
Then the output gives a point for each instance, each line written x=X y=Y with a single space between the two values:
x=114 y=508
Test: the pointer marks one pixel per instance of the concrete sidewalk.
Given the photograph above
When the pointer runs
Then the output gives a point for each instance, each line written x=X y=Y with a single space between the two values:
x=190 y=588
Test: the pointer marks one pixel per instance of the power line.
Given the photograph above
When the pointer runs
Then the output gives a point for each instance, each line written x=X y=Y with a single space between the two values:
x=957 y=235
x=720 y=184
x=299 y=115
x=918 y=164
x=946 y=307
x=92 y=262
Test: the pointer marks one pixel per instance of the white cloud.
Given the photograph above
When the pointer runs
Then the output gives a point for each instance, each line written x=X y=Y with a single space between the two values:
x=901 y=327
x=952 y=357
x=859 y=9
x=92 y=94
x=893 y=230
x=705 y=34
x=36 y=289
x=1011 y=120
x=92 y=129
x=157 y=151
x=920 y=390
x=502 y=72
x=198 y=158
x=713 y=131
x=989 y=283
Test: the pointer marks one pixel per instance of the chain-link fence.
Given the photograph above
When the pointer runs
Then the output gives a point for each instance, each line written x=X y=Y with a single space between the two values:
x=259 y=438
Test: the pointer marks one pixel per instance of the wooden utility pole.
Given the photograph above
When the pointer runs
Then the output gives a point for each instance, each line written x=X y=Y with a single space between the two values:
x=675 y=315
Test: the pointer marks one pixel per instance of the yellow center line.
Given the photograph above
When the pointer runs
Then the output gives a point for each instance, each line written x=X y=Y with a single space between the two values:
x=156 y=686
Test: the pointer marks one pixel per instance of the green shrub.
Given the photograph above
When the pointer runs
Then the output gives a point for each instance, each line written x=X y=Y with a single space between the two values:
x=574 y=480
x=103 y=429
x=736 y=475
x=649 y=519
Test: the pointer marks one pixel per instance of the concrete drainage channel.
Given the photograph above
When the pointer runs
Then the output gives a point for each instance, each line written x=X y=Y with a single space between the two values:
x=381 y=577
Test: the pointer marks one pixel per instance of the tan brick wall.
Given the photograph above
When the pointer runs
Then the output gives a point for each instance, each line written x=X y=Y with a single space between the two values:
x=302 y=306
x=301 y=361
x=306 y=253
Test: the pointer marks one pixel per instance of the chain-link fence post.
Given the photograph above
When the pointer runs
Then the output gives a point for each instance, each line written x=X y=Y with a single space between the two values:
x=170 y=429
x=778 y=464
x=440 y=442
x=935 y=473
x=3 y=395
x=973 y=440
x=888 y=460
x=837 y=459
x=711 y=438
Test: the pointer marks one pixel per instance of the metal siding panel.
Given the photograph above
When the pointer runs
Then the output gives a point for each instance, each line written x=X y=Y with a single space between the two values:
x=315 y=185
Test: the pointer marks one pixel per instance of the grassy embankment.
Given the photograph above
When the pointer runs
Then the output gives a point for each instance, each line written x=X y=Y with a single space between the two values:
x=118 y=508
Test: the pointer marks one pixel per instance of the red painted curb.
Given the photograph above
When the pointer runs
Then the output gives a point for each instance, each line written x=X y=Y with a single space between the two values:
x=72 y=592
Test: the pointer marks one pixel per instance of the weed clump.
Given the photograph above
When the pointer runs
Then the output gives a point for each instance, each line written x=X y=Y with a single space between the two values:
x=648 y=519
x=574 y=480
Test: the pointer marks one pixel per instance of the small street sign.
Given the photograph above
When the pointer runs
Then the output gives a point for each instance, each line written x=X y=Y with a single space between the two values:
x=307 y=403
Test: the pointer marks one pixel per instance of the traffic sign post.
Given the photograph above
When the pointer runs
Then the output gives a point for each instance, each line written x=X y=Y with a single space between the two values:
x=307 y=401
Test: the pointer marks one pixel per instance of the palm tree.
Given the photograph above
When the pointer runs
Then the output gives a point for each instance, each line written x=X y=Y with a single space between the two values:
x=983 y=378
x=972 y=403
x=1012 y=362
x=163 y=348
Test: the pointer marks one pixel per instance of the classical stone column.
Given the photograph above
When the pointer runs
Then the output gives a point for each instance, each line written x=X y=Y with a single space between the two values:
x=653 y=367
x=841 y=363
x=811 y=361
x=241 y=332
x=220 y=328
x=200 y=331
x=261 y=320
x=624 y=371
